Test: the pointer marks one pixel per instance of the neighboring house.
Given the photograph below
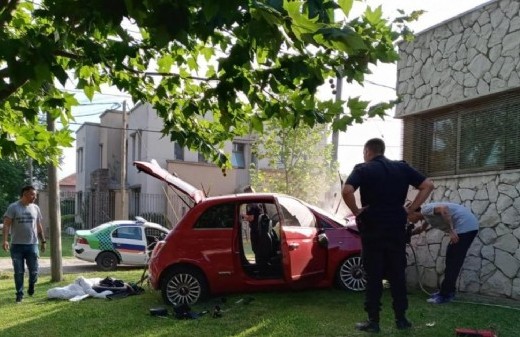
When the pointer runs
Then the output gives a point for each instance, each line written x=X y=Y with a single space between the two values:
x=68 y=184
x=99 y=155
x=460 y=88
x=98 y=163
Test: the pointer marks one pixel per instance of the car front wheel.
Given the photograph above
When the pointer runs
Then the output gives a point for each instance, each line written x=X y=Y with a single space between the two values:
x=351 y=275
x=107 y=261
x=184 y=286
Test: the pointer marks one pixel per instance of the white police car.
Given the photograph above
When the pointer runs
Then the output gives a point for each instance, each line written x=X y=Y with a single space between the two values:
x=126 y=242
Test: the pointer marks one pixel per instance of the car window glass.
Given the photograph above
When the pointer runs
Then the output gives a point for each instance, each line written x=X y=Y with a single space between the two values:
x=101 y=227
x=295 y=213
x=219 y=216
x=133 y=233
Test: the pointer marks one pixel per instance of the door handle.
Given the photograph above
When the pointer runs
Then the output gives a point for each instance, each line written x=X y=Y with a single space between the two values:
x=293 y=246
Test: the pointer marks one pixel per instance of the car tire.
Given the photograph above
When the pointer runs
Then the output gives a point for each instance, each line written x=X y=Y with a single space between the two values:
x=351 y=275
x=107 y=261
x=184 y=285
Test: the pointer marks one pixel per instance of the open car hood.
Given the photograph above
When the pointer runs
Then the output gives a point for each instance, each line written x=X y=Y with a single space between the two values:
x=152 y=168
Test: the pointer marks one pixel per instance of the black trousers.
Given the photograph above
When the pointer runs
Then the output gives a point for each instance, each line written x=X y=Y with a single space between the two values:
x=384 y=256
x=455 y=255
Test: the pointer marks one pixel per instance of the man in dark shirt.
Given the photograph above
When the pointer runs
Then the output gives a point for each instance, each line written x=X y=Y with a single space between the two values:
x=384 y=185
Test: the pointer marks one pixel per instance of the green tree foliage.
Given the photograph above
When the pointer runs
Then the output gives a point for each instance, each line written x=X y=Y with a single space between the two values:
x=299 y=163
x=15 y=175
x=189 y=59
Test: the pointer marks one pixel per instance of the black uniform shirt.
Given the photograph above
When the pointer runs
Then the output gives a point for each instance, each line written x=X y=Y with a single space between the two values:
x=383 y=187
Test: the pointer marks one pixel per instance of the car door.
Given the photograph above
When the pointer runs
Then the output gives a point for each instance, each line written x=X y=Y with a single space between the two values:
x=130 y=242
x=305 y=260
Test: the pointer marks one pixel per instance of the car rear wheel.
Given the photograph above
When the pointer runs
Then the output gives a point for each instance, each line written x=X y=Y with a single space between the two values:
x=351 y=275
x=184 y=286
x=107 y=261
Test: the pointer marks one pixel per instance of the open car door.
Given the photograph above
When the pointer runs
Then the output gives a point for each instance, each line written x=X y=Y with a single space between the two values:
x=305 y=260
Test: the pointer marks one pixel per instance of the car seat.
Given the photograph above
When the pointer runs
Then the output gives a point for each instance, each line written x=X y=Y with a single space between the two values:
x=265 y=240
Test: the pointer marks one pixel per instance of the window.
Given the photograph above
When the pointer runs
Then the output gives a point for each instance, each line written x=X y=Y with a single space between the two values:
x=178 y=151
x=295 y=213
x=238 y=156
x=101 y=155
x=79 y=156
x=217 y=217
x=476 y=136
x=136 y=145
x=201 y=158
x=132 y=233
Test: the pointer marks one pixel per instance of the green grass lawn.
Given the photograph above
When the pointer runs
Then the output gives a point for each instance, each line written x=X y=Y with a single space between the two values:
x=326 y=312
x=66 y=246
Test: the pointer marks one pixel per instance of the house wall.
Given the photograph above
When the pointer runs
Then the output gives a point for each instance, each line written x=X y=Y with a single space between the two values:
x=111 y=122
x=476 y=54
x=492 y=265
x=469 y=56
x=155 y=146
x=87 y=139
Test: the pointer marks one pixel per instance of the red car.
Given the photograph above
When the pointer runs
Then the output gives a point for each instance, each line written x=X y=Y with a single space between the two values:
x=250 y=242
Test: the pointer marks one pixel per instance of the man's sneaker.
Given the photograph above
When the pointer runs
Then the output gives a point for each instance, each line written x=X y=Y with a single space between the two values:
x=402 y=324
x=440 y=299
x=30 y=291
x=368 y=326
x=19 y=298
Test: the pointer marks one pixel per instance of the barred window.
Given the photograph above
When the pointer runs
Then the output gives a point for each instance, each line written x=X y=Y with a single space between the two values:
x=477 y=136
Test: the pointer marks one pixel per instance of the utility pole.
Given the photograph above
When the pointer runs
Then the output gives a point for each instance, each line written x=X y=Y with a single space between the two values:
x=30 y=166
x=124 y=213
x=54 y=215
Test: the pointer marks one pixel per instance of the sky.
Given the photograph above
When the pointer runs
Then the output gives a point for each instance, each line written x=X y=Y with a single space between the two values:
x=378 y=87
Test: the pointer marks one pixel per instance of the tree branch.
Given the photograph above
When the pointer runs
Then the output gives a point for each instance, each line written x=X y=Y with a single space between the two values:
x=5 y=13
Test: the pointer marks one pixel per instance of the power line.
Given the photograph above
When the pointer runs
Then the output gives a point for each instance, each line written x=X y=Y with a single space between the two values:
x=97 y=93
x=115 y=127
x=380 y=85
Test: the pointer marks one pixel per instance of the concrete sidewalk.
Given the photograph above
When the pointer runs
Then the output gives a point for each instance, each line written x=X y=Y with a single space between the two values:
x=70 y=266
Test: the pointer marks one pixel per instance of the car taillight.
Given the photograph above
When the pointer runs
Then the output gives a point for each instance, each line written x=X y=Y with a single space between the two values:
x=157 y=248
x=82 y=241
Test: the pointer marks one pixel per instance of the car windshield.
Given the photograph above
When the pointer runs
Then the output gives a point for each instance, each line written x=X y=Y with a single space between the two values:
x=335 y=217
x=100 y=227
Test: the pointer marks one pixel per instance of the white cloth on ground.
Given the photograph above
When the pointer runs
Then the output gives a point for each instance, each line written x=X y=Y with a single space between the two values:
x=80 y=289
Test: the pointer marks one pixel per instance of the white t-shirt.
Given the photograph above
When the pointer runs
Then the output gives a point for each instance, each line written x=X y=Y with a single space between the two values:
x=463 y=220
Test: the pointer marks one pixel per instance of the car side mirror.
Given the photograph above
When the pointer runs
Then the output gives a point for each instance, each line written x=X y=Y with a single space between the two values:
x=323 y=240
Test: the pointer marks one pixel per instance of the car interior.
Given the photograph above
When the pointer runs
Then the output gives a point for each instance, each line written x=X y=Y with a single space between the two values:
x=153 y=235
x=260 y=243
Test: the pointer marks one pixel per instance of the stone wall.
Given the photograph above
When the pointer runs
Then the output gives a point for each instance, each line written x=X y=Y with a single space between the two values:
x=492 y=265
x=472 y=55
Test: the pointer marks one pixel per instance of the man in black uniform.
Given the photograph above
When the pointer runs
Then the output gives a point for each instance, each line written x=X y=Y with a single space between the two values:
x=382 y=221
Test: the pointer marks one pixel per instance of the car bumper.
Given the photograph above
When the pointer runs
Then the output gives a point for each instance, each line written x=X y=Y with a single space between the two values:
x=83 y=253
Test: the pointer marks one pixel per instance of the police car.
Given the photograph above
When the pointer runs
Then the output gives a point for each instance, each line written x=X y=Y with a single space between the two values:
x=127 y=242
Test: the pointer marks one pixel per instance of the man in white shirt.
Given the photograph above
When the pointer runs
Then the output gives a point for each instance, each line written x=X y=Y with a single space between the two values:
x=462 y=227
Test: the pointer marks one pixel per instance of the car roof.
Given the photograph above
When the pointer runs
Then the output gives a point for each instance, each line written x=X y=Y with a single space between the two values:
x=134 y=223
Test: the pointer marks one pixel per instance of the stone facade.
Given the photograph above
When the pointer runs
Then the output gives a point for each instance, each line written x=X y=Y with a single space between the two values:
x=492 y=265
x=474 y=55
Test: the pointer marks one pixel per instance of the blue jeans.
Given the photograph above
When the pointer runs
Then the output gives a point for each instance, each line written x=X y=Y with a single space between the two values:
x=28 y=254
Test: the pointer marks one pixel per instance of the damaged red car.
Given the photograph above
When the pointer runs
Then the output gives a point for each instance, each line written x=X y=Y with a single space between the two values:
x=251 y=242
